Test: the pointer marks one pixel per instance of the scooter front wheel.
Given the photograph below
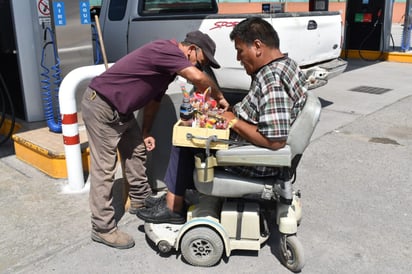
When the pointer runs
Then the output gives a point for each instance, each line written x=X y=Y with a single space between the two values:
x=164 y=246
x=202 y=246
x=292 y=253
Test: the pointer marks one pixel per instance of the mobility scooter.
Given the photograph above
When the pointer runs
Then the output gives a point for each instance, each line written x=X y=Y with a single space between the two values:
x=234 y=212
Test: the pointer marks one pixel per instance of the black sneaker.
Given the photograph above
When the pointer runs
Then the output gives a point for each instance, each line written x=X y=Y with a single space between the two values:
x=153 y=201
x=160 y=214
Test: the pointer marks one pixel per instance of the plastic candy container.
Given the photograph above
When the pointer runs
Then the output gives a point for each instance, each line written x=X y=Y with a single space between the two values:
x=207 y=114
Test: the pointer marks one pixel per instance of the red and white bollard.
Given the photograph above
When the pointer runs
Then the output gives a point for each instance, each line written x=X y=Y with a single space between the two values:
x=70 y=127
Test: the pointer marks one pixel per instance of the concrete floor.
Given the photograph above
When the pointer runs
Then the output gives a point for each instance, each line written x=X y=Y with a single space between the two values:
x=354 y=178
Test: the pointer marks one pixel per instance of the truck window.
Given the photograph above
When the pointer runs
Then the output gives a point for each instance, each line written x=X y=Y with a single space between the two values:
x=155 y=7
x=117 y=9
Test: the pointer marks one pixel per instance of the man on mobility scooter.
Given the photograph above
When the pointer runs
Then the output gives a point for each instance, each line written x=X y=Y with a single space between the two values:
x=265 y=167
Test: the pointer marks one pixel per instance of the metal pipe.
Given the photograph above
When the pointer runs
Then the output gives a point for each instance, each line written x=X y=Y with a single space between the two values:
x=70 y=128
x=407 y=26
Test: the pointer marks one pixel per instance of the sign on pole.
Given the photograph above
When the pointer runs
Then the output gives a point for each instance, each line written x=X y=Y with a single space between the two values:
x=85 y=12
x=59 y=14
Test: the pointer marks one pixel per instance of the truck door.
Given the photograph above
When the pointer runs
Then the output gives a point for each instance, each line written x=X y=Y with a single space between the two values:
x=114 y=21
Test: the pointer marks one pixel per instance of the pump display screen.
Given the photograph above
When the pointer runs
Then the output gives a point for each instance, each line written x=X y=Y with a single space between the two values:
x=363 y=17
x=365 y=2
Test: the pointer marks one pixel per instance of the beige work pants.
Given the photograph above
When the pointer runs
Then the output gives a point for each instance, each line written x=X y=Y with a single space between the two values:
x=109 y=133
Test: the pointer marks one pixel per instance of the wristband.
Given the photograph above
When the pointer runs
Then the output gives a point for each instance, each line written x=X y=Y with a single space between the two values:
x=233 y=122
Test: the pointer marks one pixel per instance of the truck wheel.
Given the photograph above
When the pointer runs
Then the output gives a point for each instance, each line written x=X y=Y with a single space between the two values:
x=202 y=246
x=292 y=253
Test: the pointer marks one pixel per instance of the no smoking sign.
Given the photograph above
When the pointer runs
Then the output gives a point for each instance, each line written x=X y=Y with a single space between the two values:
x=43 y=8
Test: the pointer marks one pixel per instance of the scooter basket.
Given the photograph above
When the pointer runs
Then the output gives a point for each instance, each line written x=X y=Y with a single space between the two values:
x=205 y=168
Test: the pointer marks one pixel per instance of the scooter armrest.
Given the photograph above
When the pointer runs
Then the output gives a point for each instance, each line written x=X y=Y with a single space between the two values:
x=251 y=155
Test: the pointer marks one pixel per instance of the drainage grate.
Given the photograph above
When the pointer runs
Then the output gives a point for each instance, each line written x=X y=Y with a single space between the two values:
x=373 y=90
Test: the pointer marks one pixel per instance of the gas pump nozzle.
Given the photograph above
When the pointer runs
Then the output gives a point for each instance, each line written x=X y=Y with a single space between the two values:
x=378 y=17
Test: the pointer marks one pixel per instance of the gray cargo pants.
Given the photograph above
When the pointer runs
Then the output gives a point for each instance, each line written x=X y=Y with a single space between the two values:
x=109 y=133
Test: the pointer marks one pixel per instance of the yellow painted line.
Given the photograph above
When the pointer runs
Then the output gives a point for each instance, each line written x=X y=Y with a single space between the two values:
x=402 y=57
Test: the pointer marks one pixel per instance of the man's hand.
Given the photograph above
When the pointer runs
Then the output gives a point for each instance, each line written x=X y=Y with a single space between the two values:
x=228 y=115
x=223 y=103
x=150 y=143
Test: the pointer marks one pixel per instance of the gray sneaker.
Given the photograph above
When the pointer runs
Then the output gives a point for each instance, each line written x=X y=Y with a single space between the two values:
x=114 y=238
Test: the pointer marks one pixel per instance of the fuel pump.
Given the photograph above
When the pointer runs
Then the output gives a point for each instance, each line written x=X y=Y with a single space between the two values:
x=21 y=43
x=7 y=48
x=368 y=25
x=10 y=89
x=31 y=62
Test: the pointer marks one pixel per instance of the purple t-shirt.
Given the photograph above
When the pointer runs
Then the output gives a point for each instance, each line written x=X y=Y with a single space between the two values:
x=141 y=76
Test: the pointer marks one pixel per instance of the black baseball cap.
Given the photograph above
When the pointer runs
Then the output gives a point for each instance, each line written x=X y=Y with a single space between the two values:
x=203 y=41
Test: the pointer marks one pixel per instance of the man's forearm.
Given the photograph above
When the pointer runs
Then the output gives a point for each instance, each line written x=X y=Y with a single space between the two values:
x=149 y=114
x=250 y=133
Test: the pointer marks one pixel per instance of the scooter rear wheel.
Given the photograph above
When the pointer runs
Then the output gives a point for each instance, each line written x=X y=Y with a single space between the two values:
x=202 y=246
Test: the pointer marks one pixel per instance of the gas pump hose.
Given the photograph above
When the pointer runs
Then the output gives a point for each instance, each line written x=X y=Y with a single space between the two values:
x=364 y=41
x=50 y=106
x=5 y=95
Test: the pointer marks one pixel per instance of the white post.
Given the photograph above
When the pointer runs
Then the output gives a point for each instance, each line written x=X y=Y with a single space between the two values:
x=70 y=128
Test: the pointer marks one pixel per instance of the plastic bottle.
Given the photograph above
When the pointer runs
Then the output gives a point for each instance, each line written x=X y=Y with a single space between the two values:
x=186 y=112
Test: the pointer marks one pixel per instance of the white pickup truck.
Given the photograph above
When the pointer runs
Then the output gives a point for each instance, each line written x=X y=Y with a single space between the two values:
x=313 y=39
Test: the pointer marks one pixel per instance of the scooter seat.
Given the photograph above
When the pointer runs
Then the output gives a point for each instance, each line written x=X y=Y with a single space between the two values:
x=230 y=185
x=251 y=155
